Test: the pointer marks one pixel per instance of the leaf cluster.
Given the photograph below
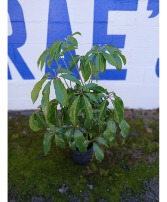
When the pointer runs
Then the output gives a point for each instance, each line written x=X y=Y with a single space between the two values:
x=80 y=114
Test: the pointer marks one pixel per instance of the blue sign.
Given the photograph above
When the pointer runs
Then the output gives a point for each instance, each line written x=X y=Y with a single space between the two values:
x=59 y=27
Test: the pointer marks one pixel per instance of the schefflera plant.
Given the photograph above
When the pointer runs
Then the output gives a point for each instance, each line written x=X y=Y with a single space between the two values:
x=82 y=112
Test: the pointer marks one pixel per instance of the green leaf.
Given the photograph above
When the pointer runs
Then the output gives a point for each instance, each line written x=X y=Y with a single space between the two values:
x=45 y=96
x=80 y=140
x=111 y=49
x=55 y=51
x=67 y=47
x=99 y=155
x=118 y=109
x=101 y=89
x=42 y=58
x=35 y=91
x=72 y=40
x=102 y=141
x=33 y=123
x=47 y=141
x=76 y=33
x=102 y=109
x=89 y=112
x=88 y=123
x=88 y=108
x=103 y=64
x=74 y=111
x=89 y=86
x=55 y=47
x=60 y=91
x=124 y=126
x=71 y=78
x=122 y=57
x=63 y=70
x=109 y=59
x=77 y=134
x=68 y=134
x=73 y=61
x=111 y=126
x=108 y=136
x=98 y=62
x=65 y=115
x=118 y=61
x=91 y=97
x=45 y=102
x=85 y=69
x=95 y=73
x=61 y=131
x=72 y=145
x=36 y=122
x=59 y=141
x=52 y=112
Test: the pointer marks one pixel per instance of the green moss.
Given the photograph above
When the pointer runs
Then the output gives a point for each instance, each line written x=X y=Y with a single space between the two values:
x=125 y=167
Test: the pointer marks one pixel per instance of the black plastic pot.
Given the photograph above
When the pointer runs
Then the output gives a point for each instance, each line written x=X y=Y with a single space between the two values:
x=82 y=158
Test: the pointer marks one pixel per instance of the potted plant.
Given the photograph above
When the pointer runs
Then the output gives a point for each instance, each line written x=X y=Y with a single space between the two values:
x=83 y=115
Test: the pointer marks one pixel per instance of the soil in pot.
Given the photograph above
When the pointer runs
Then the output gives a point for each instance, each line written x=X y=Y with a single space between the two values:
x=82 y=158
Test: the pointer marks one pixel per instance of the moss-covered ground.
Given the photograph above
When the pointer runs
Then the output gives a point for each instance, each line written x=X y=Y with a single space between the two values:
x=56 y=177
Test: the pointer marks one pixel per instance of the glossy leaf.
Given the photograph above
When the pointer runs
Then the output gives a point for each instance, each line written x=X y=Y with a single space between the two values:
x=88 y=123
x=47 y=141
x=124 y=126
x=45 y=95
x=91 y=97
x=78 y=33
x=42 y=58
x=118 y=61
x=52 y=112
x=35 y=91
x=71 y=78
x=63 y=70
x=59 y=141
x=65 y=115
x=55 y=52
x=79 y=140
x=111 y=49
x=95 y=73
x=73 y=61
x=55 y=48
x=122 y=57
x=103 y=64
x=109 y=59
x=74 y=111
x=102 y=109
x=85 y=69
x=68 y=134
x=36 y=122
x=101 y=89
x=72 y=40
x=108 y=135
x=118 y=109
x=102 y=141
x=88 y=108
x=33 y=123
x=99 y=155
x=98 y=62
x=111 y=126
x=89 y=86
x=60 y=91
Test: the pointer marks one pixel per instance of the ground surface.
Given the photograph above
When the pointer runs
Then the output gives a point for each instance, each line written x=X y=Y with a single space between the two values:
x=129 y=172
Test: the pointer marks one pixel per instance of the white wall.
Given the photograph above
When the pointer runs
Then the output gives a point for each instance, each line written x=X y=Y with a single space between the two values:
x=30 y=25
